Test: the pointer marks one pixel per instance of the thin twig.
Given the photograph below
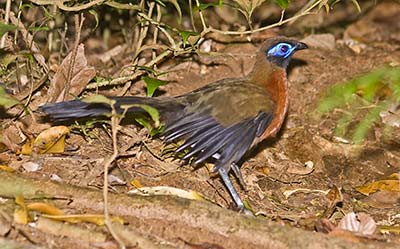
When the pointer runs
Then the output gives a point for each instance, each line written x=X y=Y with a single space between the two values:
x=123 y=79
x=28 y=38
x=247 y=32
x=203 y=22
x=6 y=19
x=78 y=28
x=155 y=34
x=115 y=120
x=143 y=33
x=162 y=29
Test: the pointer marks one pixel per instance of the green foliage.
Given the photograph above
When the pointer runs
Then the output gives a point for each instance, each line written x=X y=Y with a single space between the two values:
x=152 y=84
x=4 y=28
x=186 y=34
x=153 y=125
x=176 y=5
x=282 y=3
x=203 y=6
x=6 y=100
x=99 y=99
x=373 y=92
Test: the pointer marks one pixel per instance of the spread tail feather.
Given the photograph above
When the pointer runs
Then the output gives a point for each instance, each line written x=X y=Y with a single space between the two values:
x=77 y=109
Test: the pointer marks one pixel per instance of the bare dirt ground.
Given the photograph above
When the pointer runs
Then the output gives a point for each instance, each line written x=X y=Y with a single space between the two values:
x=288 y=178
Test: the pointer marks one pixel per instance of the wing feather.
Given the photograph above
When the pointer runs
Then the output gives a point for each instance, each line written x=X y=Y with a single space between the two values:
x=204 y=137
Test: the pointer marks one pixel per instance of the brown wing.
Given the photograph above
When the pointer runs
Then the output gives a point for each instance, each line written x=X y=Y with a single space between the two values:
x=222 y=121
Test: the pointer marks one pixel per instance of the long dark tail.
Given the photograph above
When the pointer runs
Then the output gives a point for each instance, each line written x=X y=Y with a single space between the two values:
x=76 y=109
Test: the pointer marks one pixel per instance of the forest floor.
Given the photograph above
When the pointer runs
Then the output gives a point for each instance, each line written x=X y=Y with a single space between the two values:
x=305 y=178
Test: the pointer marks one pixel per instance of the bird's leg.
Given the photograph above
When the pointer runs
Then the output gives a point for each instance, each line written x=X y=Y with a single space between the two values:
x=235 y=196
x=238 y=175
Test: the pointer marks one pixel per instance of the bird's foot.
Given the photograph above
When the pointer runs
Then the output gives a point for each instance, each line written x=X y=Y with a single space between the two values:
x=232 y=191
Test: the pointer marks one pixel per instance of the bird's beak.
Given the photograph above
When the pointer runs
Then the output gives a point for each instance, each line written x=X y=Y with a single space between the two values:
x=301 y=45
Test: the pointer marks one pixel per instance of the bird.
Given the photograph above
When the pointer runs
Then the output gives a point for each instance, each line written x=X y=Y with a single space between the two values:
x=217 y=123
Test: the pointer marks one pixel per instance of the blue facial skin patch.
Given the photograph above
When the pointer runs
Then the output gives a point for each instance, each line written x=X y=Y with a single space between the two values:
x=281 y=50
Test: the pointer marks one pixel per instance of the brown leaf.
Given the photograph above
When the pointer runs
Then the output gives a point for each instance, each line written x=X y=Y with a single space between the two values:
x=334 y=197
x=324 y=225
x=383 y=199
x=81 y=75
x=249 y=5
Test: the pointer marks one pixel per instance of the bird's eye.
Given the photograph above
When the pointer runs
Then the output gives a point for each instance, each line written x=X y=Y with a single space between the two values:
x=284 y=48
x=281 y=49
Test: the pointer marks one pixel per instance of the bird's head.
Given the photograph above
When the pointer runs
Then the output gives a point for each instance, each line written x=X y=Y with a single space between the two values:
x=279 y=50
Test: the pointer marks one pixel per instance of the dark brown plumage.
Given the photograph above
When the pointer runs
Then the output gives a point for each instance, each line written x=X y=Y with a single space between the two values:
x=218 y=122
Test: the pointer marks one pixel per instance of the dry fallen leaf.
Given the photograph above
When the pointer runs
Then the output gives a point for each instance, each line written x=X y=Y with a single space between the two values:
x=383 y=199
x=361 y=223
x=136 y=183
x=288 y=193
x=334 y=196
x=44 y=208
x=389 y=229
x=298 y=169
x=6 y=168
x=81 y=75
x=21 y=211
x=51 y=140
x=165 y=190
x=97 y=219
x=391 y=184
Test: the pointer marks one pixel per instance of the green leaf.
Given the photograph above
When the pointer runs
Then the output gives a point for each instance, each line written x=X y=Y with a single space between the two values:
x=366 y=123
x=186 y=34
x=373 y=91
x=282 y=3
x=203 y=6
x=6 y=100
x=4 y=28
x=144 y=121
x=147 y=69
x=40 y=28
x=152 y=84
x=177 y=7
x=99 y=99
x=153 y=112
x=96 y=17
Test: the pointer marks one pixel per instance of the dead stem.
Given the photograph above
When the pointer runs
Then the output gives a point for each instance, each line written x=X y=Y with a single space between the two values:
x=115 y=120
x=78 y=29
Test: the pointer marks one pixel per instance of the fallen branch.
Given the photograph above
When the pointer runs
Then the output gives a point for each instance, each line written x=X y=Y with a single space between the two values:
x=175 y=220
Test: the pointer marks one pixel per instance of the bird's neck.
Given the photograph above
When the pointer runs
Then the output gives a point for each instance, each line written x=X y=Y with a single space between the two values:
x=270 y=77
x=273 y=79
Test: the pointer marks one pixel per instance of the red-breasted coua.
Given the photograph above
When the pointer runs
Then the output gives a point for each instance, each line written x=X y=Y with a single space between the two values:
x=219 y=122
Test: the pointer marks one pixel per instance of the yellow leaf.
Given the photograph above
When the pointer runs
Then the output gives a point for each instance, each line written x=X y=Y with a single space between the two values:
x=21 y=212
x=394 y=176
x=26 y=148
x=51 y=140
x=44 y=208
x=389 y=229
x=388 y=185
x=97 y=219
x=136 y=183
x=6 y=168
